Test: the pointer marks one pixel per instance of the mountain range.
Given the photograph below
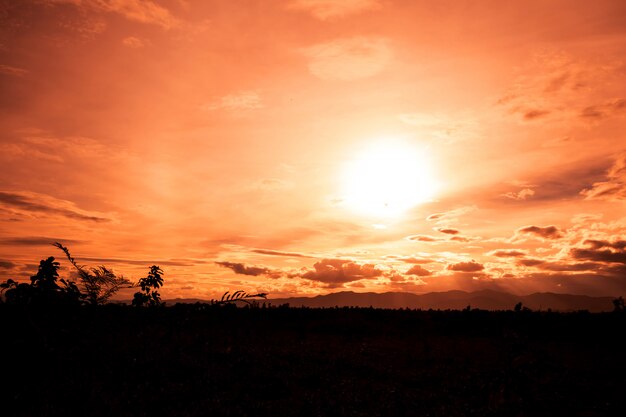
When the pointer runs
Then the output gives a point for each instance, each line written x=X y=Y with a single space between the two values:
x=454 y=300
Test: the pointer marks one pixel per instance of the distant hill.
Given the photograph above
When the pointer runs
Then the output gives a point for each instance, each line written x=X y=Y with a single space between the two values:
x=487 y=300
x=454 y=300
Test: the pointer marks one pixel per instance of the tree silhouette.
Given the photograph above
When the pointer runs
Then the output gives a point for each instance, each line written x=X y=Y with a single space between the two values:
x=150 y=296
x=99 y=283
x=43 y=289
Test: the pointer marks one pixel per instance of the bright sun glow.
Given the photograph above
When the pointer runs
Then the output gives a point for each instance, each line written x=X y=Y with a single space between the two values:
x=387 y=178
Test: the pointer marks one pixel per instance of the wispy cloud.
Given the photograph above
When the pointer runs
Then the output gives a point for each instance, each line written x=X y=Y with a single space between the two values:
x=36 y=241
x=332 y=9
x=144 y=11
x=523 y=194
x=242 y=100
x=349 y=59
x=280 y=253
x=614 y=188
x=14 y=71
x=133 y=42
x=29 y=202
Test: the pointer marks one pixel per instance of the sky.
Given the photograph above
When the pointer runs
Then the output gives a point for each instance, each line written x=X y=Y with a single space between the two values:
x=302 y=147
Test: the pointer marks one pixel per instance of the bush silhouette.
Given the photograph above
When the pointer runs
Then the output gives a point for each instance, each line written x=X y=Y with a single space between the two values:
x=149 y=296
x=44 y=288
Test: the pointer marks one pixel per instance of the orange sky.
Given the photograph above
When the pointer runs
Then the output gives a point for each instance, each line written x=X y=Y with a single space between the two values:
x=300 y=147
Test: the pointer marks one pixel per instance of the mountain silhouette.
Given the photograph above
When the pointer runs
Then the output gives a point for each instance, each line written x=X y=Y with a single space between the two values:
x=486 y=299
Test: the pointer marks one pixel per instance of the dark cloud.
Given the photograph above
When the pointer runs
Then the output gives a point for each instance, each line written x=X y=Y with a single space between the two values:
x=600 y=111
x=419 y=271
x=471 y=266
x=535 y=114
x=548 y=232
x=29 y=203
x=280 y=253
x=7 y=265
x=447 y=231
x=614 y=185
x=599 y=255
x=239 y=268
x=599 y=244
x=573 y=267
x=36 y=241
x=504 y=253
x=339 y=271
x=530 y=262
x=178 y=262
x=460 y=239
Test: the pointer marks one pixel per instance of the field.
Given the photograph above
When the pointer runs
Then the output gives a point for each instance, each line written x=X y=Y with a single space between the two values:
x=199 y=360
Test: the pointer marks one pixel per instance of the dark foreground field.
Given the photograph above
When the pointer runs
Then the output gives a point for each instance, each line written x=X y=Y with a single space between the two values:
x=202 y=361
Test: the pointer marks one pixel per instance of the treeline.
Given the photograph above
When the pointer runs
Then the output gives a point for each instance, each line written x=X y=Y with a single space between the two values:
x=95 y=286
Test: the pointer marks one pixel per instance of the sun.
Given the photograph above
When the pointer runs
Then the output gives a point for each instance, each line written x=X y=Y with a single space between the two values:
x=387 y=178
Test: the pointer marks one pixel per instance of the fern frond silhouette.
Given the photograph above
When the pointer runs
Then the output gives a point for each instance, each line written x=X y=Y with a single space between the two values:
x=239 y=296
x=99 y=284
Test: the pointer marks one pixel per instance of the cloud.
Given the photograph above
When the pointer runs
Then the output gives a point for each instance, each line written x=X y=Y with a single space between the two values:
x=535 y=114
x=272 y=184
x=450 y=215
x=449 y=128
x=414 y=260
x=14 y=71
x=599 y=244
x=601 y=111
x=471 y=266
x=36 y=241
x=447 y=231
x=520 y=195
x=548 y=232
x=503 y=253
x=340 y=271
x=40 y=203
x=349 y=59
x=7 y=265
x=332 y=9
x=424 y=238
x=551 y=86
x=601 y=251
x=280 y=253
x=242 y=100
x=530 y=262
x=463 y=238
x=614 y=188
x=419 y=271
x=184 y=262
x=239 y=268
x=133 y=42
x=144 y=11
